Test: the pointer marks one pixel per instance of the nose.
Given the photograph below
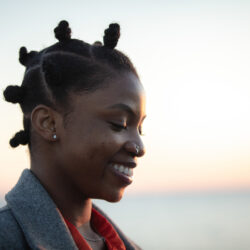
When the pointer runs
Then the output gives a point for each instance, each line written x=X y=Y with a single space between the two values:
x=135 y=148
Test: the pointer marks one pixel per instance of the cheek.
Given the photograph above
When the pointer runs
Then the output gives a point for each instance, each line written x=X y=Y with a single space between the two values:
x=103 y=148
x=91 y=145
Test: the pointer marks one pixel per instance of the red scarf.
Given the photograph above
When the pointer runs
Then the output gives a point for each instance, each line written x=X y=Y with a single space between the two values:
x=103 y=227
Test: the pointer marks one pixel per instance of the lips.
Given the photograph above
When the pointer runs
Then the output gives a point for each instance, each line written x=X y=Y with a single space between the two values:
x=123 y=172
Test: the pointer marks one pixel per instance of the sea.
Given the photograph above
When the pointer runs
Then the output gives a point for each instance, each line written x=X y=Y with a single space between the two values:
x=187 y=221
x=184 y=221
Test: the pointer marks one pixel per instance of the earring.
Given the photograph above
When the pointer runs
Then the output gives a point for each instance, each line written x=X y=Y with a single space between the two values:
x=54 y=136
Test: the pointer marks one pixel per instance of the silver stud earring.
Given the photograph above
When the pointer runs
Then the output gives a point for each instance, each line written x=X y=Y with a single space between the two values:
x=54 y=136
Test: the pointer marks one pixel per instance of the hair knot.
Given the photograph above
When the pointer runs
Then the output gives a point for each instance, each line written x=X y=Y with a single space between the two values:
x=25 y=57
x=97 y=43
x=111 y=35
x=21 y=137
x=14 y=94
x=63 y=31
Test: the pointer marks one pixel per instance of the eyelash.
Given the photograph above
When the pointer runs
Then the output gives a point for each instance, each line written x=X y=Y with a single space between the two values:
x=119 y=128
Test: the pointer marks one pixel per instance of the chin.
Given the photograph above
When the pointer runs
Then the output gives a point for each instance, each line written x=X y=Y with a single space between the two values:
x=114 y=196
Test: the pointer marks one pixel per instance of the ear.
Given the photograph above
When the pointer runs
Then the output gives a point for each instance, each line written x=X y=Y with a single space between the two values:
x=46 y=122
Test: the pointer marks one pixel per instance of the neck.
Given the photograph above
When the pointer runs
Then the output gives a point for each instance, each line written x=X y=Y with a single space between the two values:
x=78 y=214
x=70 y=201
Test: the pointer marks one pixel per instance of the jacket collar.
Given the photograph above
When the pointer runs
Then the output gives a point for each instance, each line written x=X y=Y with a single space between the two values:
x=41 y=222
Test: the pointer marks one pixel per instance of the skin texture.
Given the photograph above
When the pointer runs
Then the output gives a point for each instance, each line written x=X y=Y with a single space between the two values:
x=75 y=166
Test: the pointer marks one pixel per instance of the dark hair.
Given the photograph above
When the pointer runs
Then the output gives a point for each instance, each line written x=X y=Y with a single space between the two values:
x=68 y=65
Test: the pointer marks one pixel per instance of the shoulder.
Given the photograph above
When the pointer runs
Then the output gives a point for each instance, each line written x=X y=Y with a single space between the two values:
x=11 y=236
x=8 y=223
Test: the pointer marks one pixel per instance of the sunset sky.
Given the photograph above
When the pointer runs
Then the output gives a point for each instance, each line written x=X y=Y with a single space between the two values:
x=193 y=58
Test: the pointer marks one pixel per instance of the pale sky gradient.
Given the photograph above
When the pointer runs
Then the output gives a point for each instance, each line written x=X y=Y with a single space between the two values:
x=194 y=61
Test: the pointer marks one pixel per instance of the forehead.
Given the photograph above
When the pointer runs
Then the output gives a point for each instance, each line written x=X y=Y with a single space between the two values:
x=124 y=88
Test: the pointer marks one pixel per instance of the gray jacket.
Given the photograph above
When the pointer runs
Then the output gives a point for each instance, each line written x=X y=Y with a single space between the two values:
x=31 y=220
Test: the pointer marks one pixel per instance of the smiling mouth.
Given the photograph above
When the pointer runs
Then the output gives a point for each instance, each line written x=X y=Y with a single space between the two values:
x=124 y=170
x=125 y=173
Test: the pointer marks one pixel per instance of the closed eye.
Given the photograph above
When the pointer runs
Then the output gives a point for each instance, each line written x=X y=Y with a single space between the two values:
x=118 y=127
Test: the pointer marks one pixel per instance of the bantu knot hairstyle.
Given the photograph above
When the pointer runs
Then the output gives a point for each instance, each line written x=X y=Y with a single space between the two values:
x=14 y=94
x=97 y=43
x=25 y=57
x=70 y=65
x=63 y=31
x=21 y=137
x=111 y=36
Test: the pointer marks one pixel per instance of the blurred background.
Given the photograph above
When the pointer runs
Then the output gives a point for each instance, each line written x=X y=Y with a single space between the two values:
x=192 y=188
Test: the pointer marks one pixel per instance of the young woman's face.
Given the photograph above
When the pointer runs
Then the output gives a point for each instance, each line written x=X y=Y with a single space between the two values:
x=97 y=147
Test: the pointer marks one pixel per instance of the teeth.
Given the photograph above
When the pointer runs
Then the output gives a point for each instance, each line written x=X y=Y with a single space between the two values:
x=126 y=171
x=130 y=172
x=123 y=169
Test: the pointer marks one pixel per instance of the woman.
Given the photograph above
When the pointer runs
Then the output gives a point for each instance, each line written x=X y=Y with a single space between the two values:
x=83 y=106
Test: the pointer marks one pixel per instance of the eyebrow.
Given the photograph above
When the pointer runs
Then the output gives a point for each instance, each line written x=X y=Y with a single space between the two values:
x=125 y=108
